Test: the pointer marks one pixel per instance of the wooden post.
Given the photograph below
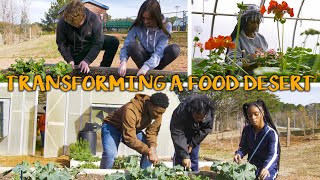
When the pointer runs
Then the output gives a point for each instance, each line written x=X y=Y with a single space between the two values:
x=313 y=126
x=214 y=122
x=217 y=132
x=294 y=120
x=30 y=33
x=316 y=119
x=288 y=133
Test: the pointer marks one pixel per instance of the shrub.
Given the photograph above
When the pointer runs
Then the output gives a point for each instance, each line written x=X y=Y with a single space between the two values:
x=80 y=151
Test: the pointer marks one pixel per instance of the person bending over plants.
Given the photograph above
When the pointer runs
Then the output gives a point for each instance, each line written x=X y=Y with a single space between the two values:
x=80 y=37
x=191 y=122
x=126 y=125
x=250 y=41
x=260 y=141
x=152 y=50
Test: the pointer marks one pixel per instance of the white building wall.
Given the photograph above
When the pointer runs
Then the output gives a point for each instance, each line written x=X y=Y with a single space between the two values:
x=77 y=106
x=21 y=122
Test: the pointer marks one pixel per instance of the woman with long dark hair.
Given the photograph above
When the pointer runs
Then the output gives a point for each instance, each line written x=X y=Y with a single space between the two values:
x=260 y=141
x=152 y=51
x=250 y=41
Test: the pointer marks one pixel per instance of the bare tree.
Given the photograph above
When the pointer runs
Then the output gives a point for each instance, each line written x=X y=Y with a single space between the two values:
x=24 y=14
x=4 y=10
x=12 y=11
x=8 y=15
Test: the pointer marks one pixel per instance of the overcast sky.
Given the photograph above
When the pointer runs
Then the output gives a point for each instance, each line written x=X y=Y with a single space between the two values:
x=117 y=8
x=303 y=98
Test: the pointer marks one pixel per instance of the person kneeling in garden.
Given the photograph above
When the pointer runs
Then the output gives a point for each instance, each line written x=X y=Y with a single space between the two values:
x=80 y=37
x=260 y=141
x=191 y=122
x=126 y=125
x=152 y=50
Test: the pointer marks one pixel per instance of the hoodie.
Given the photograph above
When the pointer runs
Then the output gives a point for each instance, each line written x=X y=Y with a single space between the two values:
x=132 y=118
x=185 y=131
x=74 y=41
x=249 y=45
x=154 y=41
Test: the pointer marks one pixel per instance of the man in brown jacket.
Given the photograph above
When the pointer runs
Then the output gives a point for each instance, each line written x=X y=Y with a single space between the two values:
x=126 y=125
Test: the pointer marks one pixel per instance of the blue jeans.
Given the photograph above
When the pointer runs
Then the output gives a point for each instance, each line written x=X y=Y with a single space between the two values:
x=42 y=138
x=194 y=157
x=111 y=138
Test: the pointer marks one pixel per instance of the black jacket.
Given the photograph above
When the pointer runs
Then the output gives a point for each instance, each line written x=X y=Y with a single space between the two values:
x=86 y=39
x=185 y=131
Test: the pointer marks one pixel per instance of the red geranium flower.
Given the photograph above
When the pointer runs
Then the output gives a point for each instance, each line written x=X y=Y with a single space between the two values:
x=263 y=10
x=272 y=5
x=290 y=11
x=209 y=44
x=220 y=43
x=278 y=10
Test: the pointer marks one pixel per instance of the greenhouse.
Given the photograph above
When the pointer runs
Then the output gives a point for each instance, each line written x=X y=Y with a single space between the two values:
x=290 y=29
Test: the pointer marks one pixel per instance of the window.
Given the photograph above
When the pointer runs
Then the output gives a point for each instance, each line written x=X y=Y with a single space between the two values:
x=100 y=111
x=4 y=117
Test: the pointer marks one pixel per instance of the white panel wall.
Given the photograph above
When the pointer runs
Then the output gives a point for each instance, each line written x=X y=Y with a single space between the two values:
x=21 y=122
x=74 y=109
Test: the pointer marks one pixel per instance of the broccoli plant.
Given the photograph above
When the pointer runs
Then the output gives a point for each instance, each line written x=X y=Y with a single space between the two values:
x=46 y=172
x=232 y=170
x=159 y=172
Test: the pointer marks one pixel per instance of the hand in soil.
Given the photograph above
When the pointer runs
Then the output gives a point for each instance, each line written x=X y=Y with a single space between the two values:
x=72 y=64
x=237 y=158
x=84 y=67
x=186 y=163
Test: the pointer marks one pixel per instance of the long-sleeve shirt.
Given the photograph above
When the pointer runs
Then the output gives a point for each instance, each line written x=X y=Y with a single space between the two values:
x=154 y=41
x=134 y=117
x=267 y=155
x=42 y=122
x=185 y=131
x=247 y=46
x=73 y=41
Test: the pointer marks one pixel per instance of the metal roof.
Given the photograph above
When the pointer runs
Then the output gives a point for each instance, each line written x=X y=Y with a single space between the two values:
x=87 y=1
x=96 y=3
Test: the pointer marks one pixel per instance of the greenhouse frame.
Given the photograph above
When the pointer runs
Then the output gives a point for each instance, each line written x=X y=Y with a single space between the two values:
x=257 y=38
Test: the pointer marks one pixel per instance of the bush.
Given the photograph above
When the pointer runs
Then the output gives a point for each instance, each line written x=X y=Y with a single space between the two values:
x=80 y=151
x=88 y=166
